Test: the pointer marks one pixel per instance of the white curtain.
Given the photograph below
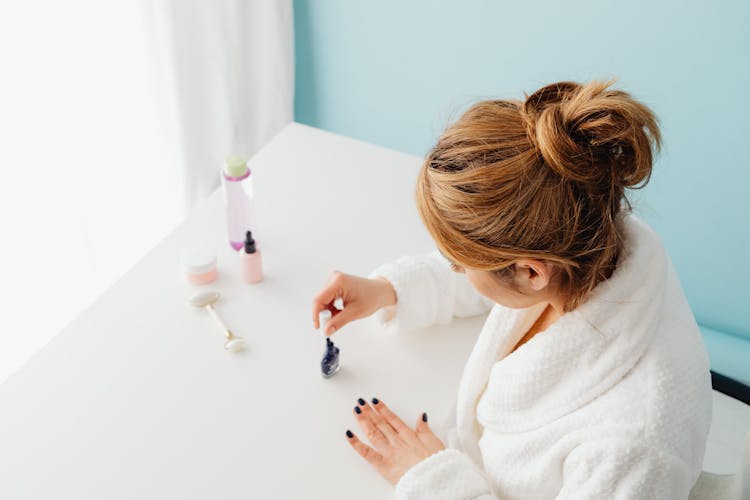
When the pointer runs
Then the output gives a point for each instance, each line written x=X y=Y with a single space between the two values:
x=88 y=183
x=226 y=73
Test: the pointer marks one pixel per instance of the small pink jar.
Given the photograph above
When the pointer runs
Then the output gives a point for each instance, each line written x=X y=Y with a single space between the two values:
x=199 y=264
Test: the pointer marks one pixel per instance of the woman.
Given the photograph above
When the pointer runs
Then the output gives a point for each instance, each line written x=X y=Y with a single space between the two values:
x=589 y=378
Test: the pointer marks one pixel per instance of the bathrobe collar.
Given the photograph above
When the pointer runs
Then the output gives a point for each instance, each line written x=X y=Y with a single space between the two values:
x=577 y=358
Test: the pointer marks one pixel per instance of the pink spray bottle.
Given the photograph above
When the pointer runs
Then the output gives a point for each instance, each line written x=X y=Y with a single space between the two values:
x=238 y=199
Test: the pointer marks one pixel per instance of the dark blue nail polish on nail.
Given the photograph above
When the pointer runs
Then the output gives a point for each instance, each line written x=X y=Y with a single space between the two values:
x=349 y=434
x=375 y=401
x=361 y=401
x=424 y=417
x=358 y=410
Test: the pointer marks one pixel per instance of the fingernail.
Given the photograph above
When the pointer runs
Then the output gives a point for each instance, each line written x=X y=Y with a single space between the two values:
x=358 y=410
x=424 y=417
x=361 y=401
x=349 y=434
x=375 y=401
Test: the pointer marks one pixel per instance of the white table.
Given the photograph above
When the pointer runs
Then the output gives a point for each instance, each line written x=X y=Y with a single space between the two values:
x=136 y=399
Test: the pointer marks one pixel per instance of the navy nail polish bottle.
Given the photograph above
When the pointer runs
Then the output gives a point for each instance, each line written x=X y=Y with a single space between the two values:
x=329 y=365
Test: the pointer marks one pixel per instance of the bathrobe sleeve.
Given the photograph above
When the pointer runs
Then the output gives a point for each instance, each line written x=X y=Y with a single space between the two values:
x=428 y=292
x=592 y=471
x=446 y=475
x=624 y=468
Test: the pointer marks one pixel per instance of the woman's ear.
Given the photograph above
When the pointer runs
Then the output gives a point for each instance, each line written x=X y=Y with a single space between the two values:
x=533 y=274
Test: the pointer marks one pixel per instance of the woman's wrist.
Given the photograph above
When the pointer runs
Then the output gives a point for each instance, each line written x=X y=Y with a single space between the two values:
x=388 y=292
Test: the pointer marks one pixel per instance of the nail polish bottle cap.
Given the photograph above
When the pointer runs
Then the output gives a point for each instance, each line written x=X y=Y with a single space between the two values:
x=323 y=317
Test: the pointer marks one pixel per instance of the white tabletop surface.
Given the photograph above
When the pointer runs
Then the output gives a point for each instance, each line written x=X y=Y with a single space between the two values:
x=136 y=398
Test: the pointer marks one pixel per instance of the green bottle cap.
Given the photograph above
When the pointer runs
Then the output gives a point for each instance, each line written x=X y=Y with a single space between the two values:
x=236 y=166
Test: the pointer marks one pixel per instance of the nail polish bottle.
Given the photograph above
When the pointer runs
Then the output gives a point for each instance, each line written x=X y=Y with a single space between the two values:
x=252 y=270
x=329 y=365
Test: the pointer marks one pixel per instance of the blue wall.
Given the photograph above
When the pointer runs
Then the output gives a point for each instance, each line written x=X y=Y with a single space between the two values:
x=395 y=72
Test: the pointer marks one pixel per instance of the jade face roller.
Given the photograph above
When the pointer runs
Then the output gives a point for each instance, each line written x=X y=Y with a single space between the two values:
x=207 y=300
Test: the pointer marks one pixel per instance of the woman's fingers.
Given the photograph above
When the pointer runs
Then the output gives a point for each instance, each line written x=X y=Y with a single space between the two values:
x=425 y=434
x=392 y=452
x=371 y=430
x=325 y=299
x=390 y=417
x=341 y=318
x=349 y=298
x=366 y=452
x=386 y=428
x=422 y=426
x=337 y=287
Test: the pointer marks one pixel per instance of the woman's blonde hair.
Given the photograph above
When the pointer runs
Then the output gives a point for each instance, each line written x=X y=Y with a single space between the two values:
x=543 y=178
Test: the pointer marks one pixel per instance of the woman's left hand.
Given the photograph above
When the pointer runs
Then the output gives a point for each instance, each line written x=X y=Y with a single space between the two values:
x=396 y=447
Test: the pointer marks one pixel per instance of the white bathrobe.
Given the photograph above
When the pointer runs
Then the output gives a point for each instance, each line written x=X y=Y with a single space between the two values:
x=613 y=400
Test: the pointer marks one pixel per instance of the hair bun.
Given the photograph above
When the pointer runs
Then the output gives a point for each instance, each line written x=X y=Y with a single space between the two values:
x=592 y=134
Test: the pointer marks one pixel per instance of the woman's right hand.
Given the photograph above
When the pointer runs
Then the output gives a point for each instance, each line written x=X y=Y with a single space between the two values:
x=361 y=298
